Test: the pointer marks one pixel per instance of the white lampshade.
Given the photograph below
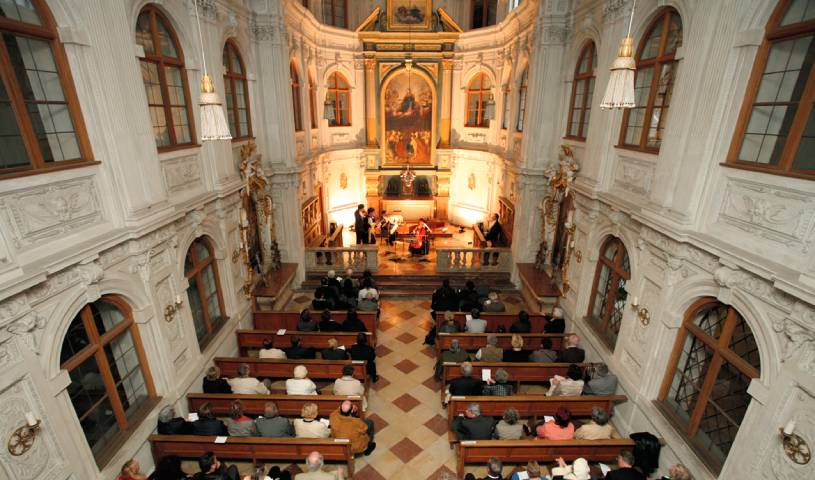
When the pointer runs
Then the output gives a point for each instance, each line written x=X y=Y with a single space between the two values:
x=620 y=88
x=213 y=120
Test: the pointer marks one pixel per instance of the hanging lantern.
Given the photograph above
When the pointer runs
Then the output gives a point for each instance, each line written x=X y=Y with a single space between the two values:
x=620 y=87
x=213 y=120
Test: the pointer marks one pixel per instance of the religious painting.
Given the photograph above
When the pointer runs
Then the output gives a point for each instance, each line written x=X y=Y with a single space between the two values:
x=415 y=15
x=408 y=116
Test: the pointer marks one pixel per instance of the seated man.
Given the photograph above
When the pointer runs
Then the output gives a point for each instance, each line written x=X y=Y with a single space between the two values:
x=625 y=468
x=522 y=325
x=475 y=324
x=465 y=384
x=344 y=424
x=296 y=351
x=321 y=301
x=213 y=469
x=545 y=354
x=468 y=297
x=334 y=352
x=601 y=381
x=598 y=428
x=207 y=424
x=352 y=323
x=494 y=469
x=556 y=324
x=490 y=352
x=454 y=355
x=314 y=470
x=362 y=351
x=244 y=384
x=368 y=304
x=444 y=298
x=333 y=284
x=571 y=352
x=449 y=325
x=472 y=426
x=493 y=303
x=169 y=424
x=272 y=425
x=327 y=324
x=347 y=384
x=269 y=350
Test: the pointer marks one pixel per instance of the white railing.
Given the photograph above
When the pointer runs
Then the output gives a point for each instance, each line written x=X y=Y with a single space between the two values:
x=358 y=257
x=473 y=260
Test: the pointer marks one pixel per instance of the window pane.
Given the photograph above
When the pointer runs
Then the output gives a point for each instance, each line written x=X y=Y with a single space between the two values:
x=76 y=338
x=181 y=125
x=674 y=39
x=123 y=362
x=611 y=250
x=105 y=316
x=165 y=40
x=743 y=344
x=230 y=106
x=799 y=11
x=787 y=70
x=805 y=156
x=724 y=411
x=22 y=10
x=201 y=250
x=651 y=47
x=345 y=120
x=144 y=33
x=692 y=365
x=196 y=309
x=92 y=405
x=616 y=318
x=236 y=63
x=11 y=142
x=602 y=292
x=712 y=319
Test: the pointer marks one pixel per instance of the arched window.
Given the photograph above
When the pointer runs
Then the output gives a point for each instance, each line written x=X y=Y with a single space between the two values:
x=484 y=13
x=165 y=80
x=237 y=92
x=705 y=389
x=41 y=126
x=644 y=125
x=776 y=129
x=522 y=101
x=582 y=93
x=339 y=94
x=295 y=98
x=608 y=292
x=507 y=105
x=335 y=12
x=312 y=101
x=111 y=387
x=204 y=291
x=478 y=93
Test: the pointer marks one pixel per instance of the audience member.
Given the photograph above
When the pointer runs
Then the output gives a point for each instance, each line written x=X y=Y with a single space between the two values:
x=327 y=323
x=579 y=470
x=490 y=352
x=517 y=352
x=344 y=424
x=306 y=323
x=465 y=384
x=493 y=303
x=600 y=381
x=238 y=424
x=454 y=355
x=449 y=325
x=349 y=275
x=368 y=277
x=494 y=469
x=598 y=428
x=321 y=299
x=625 y=468
x=131 y=471
x=333 y=282
x=522 y=325
x=243 y=384
x=509 y=428
x=533 y=472
x=679 y=472
x=214 y=383
x=348 y=293
x=169 y=424
x=444 y=298
x=334 y=352
x=468 y=297
x=269 y=350
x=298 y=352
x=300 y=384
x=472 y=425
x=571 y=352
x=274 y=474
x=569 y=386
x=347 y=384
x=475 y=324
x=500 y=387
x=169 y=468
x=352 y=322
x=314 y=470
x=309 y=426
x=367 y=288
x=368 y=304
x=559 y=428
x=207 y=424
x=272 y=425
x=362 y=351
x=545 y=354
x=213 y=469
x=556 y=323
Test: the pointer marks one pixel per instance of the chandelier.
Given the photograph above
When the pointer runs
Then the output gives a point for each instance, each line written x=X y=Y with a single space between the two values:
x=620 y=87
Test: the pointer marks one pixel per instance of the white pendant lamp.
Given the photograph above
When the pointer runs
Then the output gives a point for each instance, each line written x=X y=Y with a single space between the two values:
x=620 y=88
x=213 y=120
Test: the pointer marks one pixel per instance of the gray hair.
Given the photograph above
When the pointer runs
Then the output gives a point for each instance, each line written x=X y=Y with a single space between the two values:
x=511 y=416
x=474 y=408
x=270 y=410
x=331 y=274
x=166 y=414
x=495 y=465
x=455 y=345
x=601 y=369
x=243 y=370
x=466 y=369
x=492 y=340
x=314 y=461
x=599 y=415
x=501 y=375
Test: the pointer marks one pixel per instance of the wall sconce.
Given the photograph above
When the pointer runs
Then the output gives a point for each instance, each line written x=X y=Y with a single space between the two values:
x=642 y=313
x=236 y=254
x=795 y=446
x=171 y=309
x=23 y=438
x=578 y=255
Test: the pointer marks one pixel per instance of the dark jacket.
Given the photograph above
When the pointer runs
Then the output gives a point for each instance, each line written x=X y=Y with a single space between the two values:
x=362 y=352
x=224 y=473
x=219 y=385
x=478 y=428
x=300 y=352
x=329 y=326
x=276 y=427
x=572 y=355
x=495 y=234
x=520 y=327
x=176 y=426
x=555 y=325
x=444 y=299
x=511 y=355
x=353 y=326
x=625 y=474
x=334 y=354
x=466 y=386
x=325 y=304
x=309 y=325
x=209 y=426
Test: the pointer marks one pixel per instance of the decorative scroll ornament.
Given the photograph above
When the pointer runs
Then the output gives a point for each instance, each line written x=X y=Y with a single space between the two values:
x=560 y=177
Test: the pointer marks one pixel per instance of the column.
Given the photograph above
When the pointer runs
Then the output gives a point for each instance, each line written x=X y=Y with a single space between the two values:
x=446 y=102
x=370 y=102
x=289 y=232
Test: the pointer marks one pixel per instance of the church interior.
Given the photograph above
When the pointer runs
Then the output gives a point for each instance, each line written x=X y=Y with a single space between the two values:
x=407 y=239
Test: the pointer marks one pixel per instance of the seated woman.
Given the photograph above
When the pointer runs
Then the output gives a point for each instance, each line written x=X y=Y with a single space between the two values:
x=348 y=292
x=238 y=424
x=169 y=424
x=333 y=352
x=213 y=383
x=367 y=288
x=308 y=426
x=421 y=240
x=517 y=352
x=306 y=323
x=169 y=468
x=449 y=325
x=362 y=351
x=300 y=384
x=569 y=386
x=500 y=387
x=579 y=470
x=509 y=428
x=559 y=428
x=244 y=384
x=207 y=424
x=352 y=322
x=131 y=471
x=327 y=323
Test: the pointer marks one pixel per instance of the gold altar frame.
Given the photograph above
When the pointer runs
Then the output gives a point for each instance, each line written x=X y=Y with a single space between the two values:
x=394 y=26
x=393 y=73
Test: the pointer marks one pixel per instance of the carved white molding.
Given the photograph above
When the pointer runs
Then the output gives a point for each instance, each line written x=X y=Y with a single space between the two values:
x=800 y=407
x=34 y=215
x=798 y=329
x=182 y=174
x=634 y=175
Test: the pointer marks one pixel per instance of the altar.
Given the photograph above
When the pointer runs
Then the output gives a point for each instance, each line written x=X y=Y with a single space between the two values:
x=411 y=210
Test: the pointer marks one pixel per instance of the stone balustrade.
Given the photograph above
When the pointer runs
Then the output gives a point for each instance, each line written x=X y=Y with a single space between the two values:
x=473 y=259
x=357 y=257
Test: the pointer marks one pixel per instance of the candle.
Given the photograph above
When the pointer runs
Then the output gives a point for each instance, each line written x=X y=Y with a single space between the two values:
x=635 y=301
x=789 y=427
x=570 y=216
x=178 y=299
x=30 y=420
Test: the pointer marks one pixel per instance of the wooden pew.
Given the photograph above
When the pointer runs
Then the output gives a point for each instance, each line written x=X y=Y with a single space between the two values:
x=495 y=320
x=287 y=405
x=280 y=369
x=531 y=406
x=271 y=320
x=474 y=341
x=253 y=339
x=526 y=372
x=521 y=451
x=253 y=448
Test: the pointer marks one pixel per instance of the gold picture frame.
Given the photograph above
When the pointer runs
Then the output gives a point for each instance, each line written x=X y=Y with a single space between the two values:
x=413 y=15
x=426 y=97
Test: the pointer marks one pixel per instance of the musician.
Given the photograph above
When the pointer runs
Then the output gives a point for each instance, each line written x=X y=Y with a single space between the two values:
x=388 y=226
x=359 y=224
x=370 y=231
x=495 y=233
x=421 y=240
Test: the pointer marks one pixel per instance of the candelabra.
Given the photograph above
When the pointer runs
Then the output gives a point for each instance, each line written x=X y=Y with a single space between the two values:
x=642 y=313
x=22 y=439
x=173 y=308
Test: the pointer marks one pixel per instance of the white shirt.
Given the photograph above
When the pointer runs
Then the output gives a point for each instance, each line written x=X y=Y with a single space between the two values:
x=300 y=386
x=272 y=353
x=365 y=291
x=247 y=386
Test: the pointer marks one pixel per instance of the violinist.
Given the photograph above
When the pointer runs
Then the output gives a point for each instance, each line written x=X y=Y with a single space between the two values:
x=421 y=240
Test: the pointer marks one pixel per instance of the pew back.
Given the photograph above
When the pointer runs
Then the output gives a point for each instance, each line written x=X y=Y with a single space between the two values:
x=495 y=320
x=287 y=405
x=275 y=320
x=527 y=372
x=253 y=339
x=531 y=406
x=474 y=341
x=279 y=369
